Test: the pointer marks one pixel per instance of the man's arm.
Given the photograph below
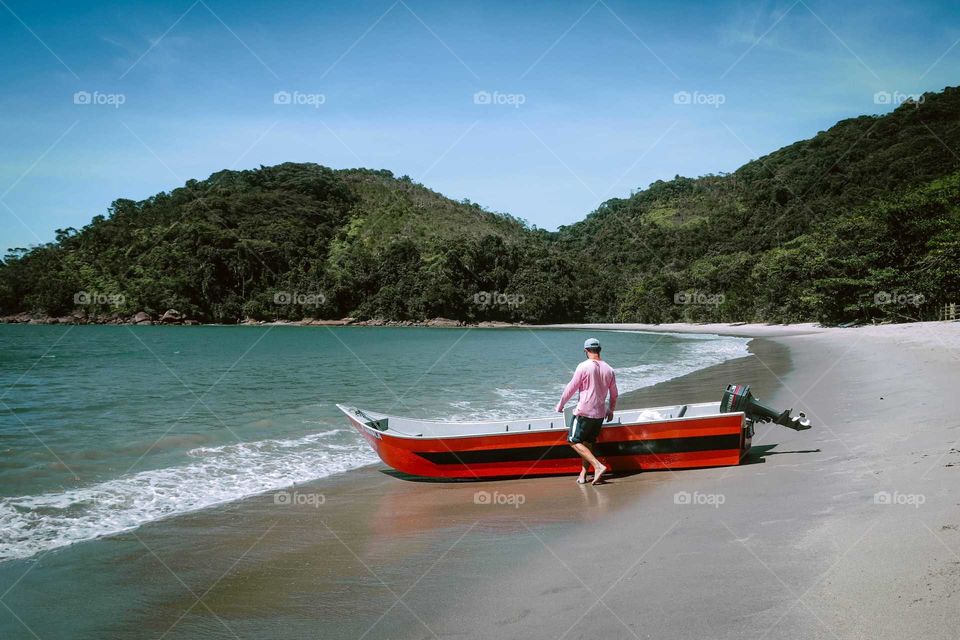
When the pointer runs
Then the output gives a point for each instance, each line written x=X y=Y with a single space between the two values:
x=614 y=394
x=572 y=387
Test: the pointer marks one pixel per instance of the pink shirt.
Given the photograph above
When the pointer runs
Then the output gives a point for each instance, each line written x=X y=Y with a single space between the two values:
x=593 y=379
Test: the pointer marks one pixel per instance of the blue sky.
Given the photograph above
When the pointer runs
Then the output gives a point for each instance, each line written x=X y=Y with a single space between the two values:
x=582 y=102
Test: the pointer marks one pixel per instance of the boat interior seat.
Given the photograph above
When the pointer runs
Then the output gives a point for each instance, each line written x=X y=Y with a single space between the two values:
x=379 y=425
x=682 y=411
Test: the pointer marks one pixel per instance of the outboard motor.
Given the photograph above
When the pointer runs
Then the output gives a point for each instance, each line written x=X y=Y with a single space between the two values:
x=737 y=397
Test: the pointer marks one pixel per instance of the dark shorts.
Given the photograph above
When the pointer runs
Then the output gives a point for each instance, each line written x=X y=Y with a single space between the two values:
x=584 y=430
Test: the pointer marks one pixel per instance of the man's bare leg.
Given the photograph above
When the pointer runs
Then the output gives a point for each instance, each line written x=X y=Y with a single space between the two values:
x=586 y=453
x=598 y=471
x=583 y=471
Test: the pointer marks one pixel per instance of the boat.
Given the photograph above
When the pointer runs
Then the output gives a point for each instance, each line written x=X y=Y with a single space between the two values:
x=708 y=434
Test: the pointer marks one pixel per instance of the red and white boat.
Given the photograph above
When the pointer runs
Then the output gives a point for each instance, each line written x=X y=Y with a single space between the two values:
x=709 y=434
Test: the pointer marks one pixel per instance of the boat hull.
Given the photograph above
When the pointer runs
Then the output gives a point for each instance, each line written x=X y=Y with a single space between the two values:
x=710 y=441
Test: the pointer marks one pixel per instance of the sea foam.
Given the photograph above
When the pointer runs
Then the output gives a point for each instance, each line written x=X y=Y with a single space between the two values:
x=36 y=523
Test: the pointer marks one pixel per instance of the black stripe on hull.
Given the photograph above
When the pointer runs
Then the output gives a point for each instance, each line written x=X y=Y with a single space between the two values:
x=563 y=451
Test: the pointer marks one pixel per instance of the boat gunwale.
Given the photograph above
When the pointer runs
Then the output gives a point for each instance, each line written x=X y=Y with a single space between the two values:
x=399 y=434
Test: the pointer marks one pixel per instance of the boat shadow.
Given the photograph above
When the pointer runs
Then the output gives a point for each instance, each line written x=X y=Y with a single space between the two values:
x=400 y=475
x=759 y=453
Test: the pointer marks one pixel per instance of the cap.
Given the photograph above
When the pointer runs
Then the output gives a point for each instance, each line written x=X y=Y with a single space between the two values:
x=591 y=343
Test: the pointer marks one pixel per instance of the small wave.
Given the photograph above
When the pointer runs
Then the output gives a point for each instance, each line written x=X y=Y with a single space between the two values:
x=695 y=352
x=510 y=403
x=32 y=524
x=263 y=446
x=699 y=353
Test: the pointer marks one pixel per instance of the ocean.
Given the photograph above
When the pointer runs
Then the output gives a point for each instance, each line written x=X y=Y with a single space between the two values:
x=106 y=428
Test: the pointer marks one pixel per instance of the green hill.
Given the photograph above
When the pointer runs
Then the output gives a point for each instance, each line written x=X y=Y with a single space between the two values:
x=293 y=241
x=813 y=231
x=859 y=223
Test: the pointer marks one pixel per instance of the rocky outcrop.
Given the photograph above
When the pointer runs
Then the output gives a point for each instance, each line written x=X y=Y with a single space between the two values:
x=443 y=322
x=433 y=322
x=20 y=318
x=172 y=316
x=314 y=322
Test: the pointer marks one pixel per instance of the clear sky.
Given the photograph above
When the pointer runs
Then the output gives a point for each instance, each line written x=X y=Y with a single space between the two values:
x=102 y=100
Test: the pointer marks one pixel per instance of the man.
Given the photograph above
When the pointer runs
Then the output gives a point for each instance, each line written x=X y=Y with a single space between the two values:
x=593 y=378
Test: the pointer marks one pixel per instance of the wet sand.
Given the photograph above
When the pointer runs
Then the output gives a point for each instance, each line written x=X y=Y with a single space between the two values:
x=849 y=530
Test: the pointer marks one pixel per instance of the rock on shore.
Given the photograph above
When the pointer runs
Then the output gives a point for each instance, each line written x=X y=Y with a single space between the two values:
x=175 y=317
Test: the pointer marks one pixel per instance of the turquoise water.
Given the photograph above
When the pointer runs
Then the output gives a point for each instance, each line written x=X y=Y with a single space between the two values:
x=104 y=428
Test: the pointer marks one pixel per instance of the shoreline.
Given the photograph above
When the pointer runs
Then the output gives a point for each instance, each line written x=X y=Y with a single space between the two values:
x=174 y=318
x=626 y=394
x=700 y=385
x=727 y=329
x=800 y=546
x=735 y=329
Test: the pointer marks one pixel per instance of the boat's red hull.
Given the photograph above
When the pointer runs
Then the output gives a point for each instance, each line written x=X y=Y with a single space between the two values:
x=674 y=444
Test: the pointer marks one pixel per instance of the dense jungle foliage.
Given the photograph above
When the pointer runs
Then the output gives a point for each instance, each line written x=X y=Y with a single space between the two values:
x=859 y=223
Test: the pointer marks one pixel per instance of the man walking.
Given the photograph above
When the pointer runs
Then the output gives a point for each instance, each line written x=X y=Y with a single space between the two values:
x=593 y=378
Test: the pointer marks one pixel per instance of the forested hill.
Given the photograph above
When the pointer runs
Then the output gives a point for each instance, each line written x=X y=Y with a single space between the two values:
x=294 y=241
x=824 y=229
x=859 y=223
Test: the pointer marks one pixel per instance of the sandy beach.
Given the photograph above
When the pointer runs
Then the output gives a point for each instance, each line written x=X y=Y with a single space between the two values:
x=849 y=530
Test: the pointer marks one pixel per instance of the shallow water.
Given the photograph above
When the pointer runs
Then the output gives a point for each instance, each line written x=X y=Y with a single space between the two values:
x=105 y=428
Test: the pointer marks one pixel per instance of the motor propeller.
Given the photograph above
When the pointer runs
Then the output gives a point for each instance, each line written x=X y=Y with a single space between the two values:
x=737 y=397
